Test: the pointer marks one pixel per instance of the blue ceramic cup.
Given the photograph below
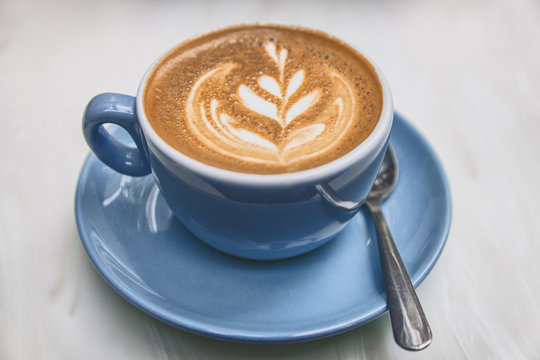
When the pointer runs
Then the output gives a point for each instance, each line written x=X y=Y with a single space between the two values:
x=247 y=215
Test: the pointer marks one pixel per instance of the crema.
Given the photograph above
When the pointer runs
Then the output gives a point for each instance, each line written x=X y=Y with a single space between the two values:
x=263 y=99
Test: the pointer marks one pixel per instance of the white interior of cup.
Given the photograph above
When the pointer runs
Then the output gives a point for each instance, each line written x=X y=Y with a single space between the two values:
x=366 y=150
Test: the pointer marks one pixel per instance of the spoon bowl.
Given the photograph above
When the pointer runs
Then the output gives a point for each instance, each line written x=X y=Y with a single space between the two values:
x=386 y=178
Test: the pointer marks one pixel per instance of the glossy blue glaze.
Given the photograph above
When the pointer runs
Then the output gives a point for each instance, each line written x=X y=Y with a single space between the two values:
x=118 y=109
x=249 y=220
x=152 y=260
x=257 y=222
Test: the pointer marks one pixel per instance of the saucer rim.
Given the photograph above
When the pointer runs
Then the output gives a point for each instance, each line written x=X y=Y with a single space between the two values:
x=223 y=333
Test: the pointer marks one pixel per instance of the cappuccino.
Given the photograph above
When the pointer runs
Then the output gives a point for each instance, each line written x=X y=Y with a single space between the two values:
x=263 y=99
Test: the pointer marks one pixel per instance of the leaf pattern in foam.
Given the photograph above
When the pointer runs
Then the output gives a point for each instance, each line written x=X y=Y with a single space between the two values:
x=303 y=135
x=254 y=138
x=282 y=58
x=295 y=83
x=271 y=50
x=302 y=105
x=256 y=103
x=270 y=84
x=246 y=135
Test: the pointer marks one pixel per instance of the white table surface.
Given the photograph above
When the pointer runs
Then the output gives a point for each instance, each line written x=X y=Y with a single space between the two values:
x=466 y=73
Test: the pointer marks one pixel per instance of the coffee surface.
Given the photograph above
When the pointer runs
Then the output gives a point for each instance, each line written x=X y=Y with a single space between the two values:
x=263 y=99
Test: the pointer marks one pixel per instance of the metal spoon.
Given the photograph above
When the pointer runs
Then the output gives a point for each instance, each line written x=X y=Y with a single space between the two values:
x=409 y=324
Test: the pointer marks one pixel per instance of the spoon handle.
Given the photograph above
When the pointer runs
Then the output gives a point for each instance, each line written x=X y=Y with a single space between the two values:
x=409 y=324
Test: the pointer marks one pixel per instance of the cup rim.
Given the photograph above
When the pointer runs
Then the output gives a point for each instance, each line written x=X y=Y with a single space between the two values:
x=370 y=146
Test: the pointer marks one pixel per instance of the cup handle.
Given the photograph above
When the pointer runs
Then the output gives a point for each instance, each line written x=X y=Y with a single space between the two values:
x=118 y=109
x=334 y=199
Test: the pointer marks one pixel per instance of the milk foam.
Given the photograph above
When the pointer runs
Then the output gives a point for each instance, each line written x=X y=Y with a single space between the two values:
x=263 y=99
x=223 y=132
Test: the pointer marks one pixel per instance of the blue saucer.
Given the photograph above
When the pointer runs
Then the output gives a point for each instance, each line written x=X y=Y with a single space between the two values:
x=149 y=257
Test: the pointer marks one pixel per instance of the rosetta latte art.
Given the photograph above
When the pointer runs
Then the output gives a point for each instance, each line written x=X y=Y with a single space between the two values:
x=303 y=119
x=263 y=99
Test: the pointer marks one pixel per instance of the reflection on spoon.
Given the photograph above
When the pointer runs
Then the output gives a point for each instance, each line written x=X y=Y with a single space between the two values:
x=409 y=323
